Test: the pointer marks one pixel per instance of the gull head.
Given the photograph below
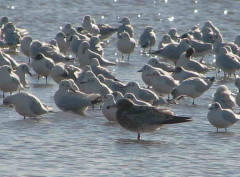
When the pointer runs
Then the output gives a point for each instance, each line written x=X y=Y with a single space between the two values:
x=132 y=85
x=66 y=85
x=148 y=29
x=215 y=106
x=39 y=56
x=4 y=20
x=101 y=78
x=222 y=88
x=122 y=104
x=153 y=62
x=24 y=68
x=94 y=62
x=60 y=35
x=5 y=69
x=125 y=21
x=172 y=32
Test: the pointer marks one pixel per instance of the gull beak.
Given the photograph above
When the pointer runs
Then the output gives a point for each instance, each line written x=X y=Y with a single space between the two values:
x=83 y=82
x=112 y=106
x=139 y=70
x=29 y=73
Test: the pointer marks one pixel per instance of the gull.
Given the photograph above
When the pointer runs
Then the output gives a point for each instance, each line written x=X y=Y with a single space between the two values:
x=97 y=69
x=117 y=95
x=165 y=41
x=68 y=99
x=112 y=84
x=172 y=52
x=174 y=35
x=110 y=114
x=144 y=94
x=221 y=118
x=162 y=84
x=11 y=36
x=89 y=26
x=9 y=81
x=224 y=97
x=82 y=80
x=62 y=42
x=85 y=55
x=201 y=48
x=192 y=87
x=188 y=63
x=126 y=26
x=42 y=65
x=94 y=85
x=154 y=62
x=237 y=84
x=147 y=38
x=219 y=43
x=126 y=44
x=133 y=98
x=181 y=74
x=25 y=46
x=147 y=69
x=21 y=72
x=237 y=40
x=227 y=62
x=27 y=104
x=208 y=35
x=95 y=45
x=208 y=24
x=141 y=119
x=47 y=50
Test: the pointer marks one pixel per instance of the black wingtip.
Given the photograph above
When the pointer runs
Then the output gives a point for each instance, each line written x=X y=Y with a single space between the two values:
x=177 y=119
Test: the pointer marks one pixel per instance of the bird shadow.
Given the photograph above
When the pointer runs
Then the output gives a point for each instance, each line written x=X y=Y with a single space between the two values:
x=122 y=63
x=41 y=85
x=221 y=134
x=141 y=142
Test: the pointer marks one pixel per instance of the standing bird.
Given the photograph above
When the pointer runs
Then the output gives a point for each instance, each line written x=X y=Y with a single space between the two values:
x=192 y=87
x=126 y=44
x=172 y=52
x=227 y=62
x=9 y=81
x=26 y=104
x=21 y=72
x=162 y=84
x=62 y=43
x=188 y=63
x=25 y=46
x=42 y=65
x=148 y=38
x=141 y=119
x=89 y=25
x=221 y=118
x=126 y=26
x=224 y=97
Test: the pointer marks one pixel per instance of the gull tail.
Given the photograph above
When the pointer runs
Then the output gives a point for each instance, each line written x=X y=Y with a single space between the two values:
x=177 y=119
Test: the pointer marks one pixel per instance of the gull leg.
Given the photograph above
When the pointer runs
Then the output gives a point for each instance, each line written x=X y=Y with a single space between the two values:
x=24 y=117
x=193 y=101
x=46 y=79
x=38 y=78
x=122 y=57
x=128 y=57
x=201 y=59
x=217 y=129
x=3 y=95
x=138 y=137
x=225 y=129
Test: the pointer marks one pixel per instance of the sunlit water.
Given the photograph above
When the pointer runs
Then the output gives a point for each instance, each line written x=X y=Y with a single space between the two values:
x=65 y=144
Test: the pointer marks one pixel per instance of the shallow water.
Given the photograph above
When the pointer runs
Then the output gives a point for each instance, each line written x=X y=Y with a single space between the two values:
x=66 y=144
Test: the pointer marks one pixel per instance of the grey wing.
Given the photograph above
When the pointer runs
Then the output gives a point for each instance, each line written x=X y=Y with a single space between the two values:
x=229 y=116
x=36 y=108
x=149 y=115
x=49 y=64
